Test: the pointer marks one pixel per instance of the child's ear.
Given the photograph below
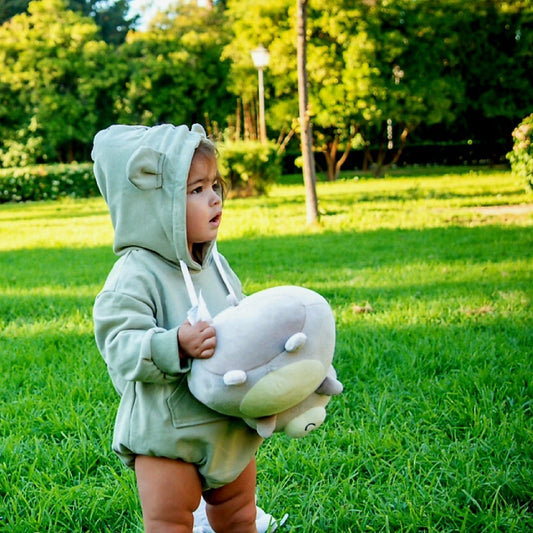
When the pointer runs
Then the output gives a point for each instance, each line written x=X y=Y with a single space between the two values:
x=145 y=168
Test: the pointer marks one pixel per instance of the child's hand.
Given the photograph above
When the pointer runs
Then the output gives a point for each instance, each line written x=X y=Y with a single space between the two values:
x=198 y=341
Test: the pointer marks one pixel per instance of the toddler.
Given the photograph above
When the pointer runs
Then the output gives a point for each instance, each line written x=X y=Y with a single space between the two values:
x=164 y=194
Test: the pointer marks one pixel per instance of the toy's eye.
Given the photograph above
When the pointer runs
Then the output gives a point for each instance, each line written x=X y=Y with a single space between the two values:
x=308 y=421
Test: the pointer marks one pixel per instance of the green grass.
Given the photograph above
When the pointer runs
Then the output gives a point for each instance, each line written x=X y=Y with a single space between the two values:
x=434 y=431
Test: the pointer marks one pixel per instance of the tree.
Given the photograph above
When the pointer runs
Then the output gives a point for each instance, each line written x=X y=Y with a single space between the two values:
x=496 y=66
x=305 y=120
x=48 y=61
x=111 y=17
x=10 y=8
x=271 y=19
x=365 y=65
x=410 y=77
x=173 y=70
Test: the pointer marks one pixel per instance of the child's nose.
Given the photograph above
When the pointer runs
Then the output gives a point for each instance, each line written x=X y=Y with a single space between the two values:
x=215 y=198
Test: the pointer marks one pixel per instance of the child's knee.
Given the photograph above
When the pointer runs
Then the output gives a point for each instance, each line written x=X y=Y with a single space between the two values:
x=170 y=491
x=232 y=508
x=230 y=518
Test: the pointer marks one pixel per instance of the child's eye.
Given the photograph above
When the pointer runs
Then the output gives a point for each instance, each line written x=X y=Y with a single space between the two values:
x=197 y=190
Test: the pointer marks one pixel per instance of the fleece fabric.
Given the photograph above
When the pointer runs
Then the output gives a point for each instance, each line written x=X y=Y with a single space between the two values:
x=142 y=174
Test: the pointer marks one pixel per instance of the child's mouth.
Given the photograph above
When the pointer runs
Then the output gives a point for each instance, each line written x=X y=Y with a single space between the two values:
x=216 y=219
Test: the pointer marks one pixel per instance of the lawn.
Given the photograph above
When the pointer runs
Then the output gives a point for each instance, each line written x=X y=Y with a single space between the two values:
x=430 y=279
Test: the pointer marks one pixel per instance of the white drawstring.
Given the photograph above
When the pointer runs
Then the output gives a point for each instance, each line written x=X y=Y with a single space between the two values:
x=189 y=284
x=232 y=297
x=193 y=297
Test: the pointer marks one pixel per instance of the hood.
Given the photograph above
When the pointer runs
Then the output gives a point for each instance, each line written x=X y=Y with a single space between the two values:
x=142 y=175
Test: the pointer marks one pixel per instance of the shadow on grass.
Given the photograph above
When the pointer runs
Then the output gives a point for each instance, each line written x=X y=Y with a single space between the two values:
x=400 y=197
x=416 y=193
x=310 y=259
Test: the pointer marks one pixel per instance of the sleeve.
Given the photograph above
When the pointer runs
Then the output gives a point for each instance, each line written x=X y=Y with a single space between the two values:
x=132 y=345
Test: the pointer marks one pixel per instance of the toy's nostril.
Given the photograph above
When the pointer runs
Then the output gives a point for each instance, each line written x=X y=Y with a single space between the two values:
x=234 y=377
x=295 y=341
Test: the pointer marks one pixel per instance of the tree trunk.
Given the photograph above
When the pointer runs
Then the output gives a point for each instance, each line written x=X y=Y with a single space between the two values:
x=330 y=154
x=248 y=123
x=238 y=120
x=403 y=139
x=347 y=149
x=377 y=169
x=309 y=173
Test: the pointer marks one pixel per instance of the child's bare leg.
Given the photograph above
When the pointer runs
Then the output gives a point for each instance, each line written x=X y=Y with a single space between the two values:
x=170 y=492
x=232 y=508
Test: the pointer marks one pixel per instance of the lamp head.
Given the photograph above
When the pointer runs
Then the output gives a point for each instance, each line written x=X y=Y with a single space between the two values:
x=260 y=57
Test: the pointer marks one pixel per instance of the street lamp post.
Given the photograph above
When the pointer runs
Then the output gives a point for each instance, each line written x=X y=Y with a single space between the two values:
x=261 y=57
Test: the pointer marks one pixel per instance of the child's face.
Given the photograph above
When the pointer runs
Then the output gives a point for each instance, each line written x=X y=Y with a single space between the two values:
x=204 y=204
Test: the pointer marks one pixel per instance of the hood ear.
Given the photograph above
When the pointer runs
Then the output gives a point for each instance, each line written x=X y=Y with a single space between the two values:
x=145 y=168
x=198 y=128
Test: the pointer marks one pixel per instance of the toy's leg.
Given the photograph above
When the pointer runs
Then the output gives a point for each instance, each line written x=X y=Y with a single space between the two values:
x=231 y=508
x=170 y=491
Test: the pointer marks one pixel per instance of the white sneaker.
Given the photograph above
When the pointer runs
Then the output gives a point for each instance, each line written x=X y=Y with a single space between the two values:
x=265 y=523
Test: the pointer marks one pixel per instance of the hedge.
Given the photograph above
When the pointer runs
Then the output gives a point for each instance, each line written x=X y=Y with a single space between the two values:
x=250 y=167
x=521 y=157
x=47 y=182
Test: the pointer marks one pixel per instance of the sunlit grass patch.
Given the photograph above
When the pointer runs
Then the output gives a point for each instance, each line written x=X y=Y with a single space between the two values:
x=432 y=296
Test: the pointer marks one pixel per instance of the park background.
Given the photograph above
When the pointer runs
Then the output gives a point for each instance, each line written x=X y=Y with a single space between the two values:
x=446 y=81
x=428 y=267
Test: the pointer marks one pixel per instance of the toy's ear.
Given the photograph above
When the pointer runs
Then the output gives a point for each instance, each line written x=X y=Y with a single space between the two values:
x=295 y=342
x=145 y=168
x=331 y=386
x=266 y=426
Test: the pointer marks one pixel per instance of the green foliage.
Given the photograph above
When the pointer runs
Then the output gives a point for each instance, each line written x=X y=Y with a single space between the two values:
x=9 y=8
x=521 y=157
x=110 y=16
x=250 y=167
x=413 y=63
x=173 y=72
x=354 y=51
x=48 y=59
x=47 y=182
x=496 y=77
x=68 y=70
x=433 y=431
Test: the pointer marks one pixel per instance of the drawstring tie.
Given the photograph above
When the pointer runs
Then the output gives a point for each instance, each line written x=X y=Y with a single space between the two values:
x=199 y=309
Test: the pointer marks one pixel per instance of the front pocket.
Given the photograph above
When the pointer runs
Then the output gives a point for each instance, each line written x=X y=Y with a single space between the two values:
x=186 y=410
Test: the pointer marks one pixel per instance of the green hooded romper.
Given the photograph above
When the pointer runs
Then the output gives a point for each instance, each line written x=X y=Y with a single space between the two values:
x=142 y=174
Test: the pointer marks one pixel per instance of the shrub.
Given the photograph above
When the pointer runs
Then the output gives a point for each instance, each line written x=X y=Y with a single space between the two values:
x=521 y=156
x=47 y=182
x=250 y=167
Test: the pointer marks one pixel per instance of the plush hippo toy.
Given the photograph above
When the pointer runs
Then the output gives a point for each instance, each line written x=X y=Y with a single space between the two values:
x=272 y=364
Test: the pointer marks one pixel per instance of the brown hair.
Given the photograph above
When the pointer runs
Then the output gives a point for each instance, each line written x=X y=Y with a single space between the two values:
x=207 y=149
